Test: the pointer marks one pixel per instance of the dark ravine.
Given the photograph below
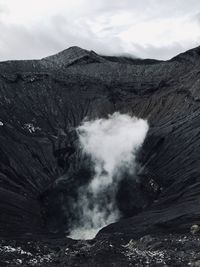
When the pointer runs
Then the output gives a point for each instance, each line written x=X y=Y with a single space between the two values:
x=41 y=167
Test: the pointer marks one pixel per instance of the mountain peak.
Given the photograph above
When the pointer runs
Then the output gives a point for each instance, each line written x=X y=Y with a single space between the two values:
x=72 y=55
x=189 y=55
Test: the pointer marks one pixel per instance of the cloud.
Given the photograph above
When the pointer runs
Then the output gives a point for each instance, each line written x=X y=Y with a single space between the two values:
x=163 y=52
x=197 y=17
x=35 y=29
x=112 y=144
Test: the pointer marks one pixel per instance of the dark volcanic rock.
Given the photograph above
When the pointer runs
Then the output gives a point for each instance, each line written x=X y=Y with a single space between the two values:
x=41 y=166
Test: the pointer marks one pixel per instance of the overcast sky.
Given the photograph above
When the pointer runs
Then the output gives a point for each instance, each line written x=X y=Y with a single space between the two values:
x=143 y=28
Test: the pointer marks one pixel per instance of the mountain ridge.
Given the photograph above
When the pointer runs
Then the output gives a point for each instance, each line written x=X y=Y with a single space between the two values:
x=76 y=52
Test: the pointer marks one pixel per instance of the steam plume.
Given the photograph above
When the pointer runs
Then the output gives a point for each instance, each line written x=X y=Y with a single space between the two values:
x=112 y=144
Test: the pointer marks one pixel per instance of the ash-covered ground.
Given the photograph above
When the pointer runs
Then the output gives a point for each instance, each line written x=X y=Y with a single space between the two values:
x=149 y=250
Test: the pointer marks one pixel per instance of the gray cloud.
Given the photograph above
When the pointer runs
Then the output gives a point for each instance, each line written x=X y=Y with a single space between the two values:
x=166 y=52
x=107 y=27
x=197 y=17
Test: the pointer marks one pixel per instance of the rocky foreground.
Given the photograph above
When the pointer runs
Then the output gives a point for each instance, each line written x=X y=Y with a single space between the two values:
x=159 y=250
x=41 y=167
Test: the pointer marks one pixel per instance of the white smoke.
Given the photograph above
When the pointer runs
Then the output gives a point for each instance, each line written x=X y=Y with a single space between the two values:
x=112 y=144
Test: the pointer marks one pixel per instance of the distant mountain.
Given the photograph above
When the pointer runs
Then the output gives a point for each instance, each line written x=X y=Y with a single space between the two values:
x=72 y=55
